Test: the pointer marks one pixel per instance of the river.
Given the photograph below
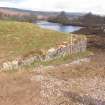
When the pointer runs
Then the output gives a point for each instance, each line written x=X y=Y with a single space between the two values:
x=57 y=27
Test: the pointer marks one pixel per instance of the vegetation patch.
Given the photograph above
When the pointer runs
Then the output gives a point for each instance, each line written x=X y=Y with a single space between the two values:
x=19 y=38
x=24 y=43
x=64 y=59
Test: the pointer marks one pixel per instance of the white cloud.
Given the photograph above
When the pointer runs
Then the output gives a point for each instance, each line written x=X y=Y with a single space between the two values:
x=6 y=4
x=95 y=6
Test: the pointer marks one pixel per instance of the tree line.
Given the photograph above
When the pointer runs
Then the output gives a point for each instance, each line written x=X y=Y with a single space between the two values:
x=88 y=19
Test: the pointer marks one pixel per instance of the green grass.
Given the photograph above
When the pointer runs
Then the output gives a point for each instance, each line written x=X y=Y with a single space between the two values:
x=17 y=38
x=64 y=60
x=20 y=38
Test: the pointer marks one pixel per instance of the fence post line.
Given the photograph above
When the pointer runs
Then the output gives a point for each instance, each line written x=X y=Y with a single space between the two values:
x=71 y=43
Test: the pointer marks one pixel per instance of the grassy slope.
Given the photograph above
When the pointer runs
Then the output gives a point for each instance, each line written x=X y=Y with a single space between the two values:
x=19 y=38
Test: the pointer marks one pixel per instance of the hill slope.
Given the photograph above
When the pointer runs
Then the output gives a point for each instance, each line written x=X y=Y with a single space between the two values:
x=16 y=11
x=17 y=38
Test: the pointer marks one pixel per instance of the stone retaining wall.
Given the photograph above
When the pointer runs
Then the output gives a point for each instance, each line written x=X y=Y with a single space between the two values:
x=53 y=53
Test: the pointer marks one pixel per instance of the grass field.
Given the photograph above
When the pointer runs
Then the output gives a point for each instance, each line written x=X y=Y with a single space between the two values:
x=20 y=38
x=17 y=38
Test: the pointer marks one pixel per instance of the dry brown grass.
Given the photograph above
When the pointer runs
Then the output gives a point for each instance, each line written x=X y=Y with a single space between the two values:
x=17 y=89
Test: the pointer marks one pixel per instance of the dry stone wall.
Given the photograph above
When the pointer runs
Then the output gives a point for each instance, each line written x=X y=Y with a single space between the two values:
x=67 y=48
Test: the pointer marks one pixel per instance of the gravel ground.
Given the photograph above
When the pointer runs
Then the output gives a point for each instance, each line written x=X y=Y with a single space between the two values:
x=82 y=84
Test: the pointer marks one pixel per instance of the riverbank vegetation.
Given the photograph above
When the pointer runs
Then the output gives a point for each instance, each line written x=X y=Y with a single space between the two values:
x=88 y=19
x=61 y=18
x=95 y=24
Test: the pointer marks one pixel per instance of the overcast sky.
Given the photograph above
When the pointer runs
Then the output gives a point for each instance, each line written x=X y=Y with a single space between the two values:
x=94 y=6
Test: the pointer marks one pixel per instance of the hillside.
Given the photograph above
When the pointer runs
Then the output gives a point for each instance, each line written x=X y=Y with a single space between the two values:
x=36 y=13
x=18 y=38
x=13 y=12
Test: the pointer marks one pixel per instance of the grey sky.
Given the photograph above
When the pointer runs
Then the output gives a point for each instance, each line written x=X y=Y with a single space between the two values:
x=95 y=6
